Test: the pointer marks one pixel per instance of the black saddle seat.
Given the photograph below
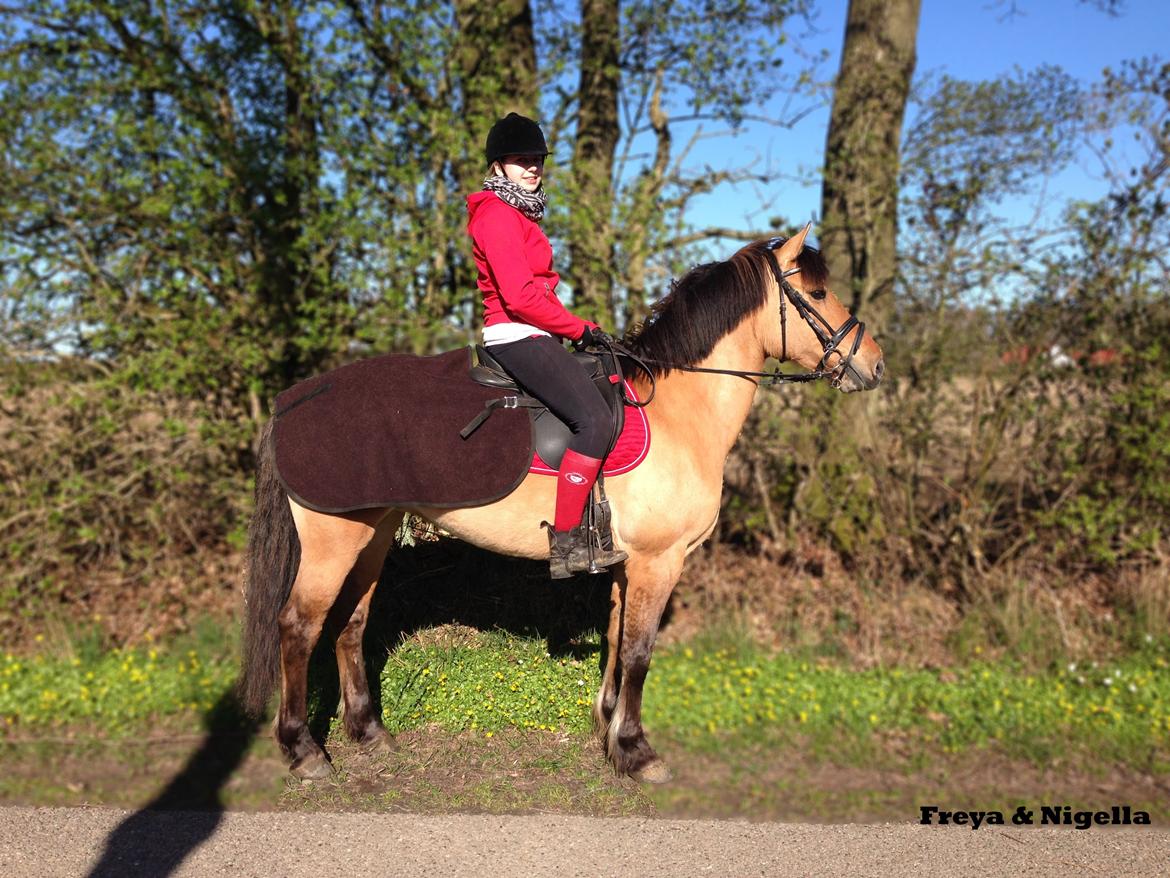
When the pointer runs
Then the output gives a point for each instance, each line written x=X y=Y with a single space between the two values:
x=550 y=434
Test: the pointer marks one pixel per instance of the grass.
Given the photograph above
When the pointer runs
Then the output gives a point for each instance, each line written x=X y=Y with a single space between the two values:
x=1118 y=712
x=118 y=692
x=486 y=683
x=703 y=695
x=490 y=721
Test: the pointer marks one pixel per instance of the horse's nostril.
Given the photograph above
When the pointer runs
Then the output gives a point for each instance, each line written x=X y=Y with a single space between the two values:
x=879 y=370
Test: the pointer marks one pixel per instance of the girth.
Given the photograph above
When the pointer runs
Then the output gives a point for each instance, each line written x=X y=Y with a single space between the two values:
x=550 y=435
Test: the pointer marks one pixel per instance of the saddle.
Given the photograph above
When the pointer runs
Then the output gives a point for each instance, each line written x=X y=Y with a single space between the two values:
x=550 y=435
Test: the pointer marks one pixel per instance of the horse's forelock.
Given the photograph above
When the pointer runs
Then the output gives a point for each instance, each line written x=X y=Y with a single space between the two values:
x=814 y=269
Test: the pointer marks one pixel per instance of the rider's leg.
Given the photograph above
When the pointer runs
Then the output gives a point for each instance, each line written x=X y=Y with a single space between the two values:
x=575 y=480
x=547 y=371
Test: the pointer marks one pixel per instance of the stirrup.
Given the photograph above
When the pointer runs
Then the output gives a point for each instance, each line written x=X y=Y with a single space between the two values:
x=571 y=552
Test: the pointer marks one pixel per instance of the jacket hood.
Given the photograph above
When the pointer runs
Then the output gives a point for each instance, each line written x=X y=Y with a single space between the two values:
x=476 y=200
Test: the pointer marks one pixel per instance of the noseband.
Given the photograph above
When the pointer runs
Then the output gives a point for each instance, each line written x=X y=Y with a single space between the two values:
x=830 y=339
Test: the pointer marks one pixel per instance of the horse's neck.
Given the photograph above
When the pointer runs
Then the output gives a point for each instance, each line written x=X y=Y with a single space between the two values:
x=710 y=409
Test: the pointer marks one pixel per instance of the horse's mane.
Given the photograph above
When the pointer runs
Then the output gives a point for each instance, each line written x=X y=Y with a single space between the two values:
x=708 y=302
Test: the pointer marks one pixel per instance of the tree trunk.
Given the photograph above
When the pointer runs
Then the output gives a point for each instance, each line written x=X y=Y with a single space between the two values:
x=644 y=210
x=288 y=278
x=496 y=61
x=591 y=242
x=859 y=198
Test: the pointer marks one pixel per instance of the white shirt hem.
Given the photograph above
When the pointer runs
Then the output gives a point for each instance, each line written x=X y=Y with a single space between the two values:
x=506 y=333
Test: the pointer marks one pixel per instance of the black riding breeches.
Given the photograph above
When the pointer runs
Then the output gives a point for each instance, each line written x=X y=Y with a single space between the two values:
x=545 y=369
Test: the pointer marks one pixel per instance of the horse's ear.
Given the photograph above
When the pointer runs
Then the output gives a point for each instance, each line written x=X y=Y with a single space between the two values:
x=791 y=248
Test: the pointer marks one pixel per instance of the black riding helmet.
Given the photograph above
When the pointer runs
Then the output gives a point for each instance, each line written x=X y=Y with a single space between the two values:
x=514 y=135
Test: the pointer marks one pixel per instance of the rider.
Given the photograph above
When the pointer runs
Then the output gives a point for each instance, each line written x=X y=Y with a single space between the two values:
x=524 y=323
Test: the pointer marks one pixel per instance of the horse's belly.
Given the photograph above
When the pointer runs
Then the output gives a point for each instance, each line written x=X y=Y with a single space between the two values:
x=511 y=526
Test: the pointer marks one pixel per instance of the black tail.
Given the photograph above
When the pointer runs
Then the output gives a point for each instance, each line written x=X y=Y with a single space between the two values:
x=273 y=555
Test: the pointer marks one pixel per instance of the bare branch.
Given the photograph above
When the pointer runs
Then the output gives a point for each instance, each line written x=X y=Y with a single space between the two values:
x=716 y=232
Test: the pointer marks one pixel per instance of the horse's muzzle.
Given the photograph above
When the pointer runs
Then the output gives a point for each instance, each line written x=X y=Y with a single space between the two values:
x=853 y=379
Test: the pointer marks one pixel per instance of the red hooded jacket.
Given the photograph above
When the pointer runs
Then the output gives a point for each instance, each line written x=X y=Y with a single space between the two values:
x=516 y=277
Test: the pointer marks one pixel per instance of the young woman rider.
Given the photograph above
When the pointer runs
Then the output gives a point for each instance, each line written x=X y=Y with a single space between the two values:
x=524 y=324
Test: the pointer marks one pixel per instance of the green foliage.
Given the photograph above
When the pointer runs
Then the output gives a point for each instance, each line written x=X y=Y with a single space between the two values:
x=223 y=198
x=1111 y=501
x=117 y=692
x=101 y=478
x=703 y=693
x=784 y=477
x=494 y=682
x=1120 y=711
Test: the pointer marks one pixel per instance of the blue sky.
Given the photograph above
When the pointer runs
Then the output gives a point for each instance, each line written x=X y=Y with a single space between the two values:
x=968 y=39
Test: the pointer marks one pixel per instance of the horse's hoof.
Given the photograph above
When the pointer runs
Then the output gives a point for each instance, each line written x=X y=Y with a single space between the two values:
x=314 y=767
x=655 y=771
x=380 y=743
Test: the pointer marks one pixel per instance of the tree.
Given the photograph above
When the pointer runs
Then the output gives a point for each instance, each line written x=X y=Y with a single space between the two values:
x=166 y=185
x=647 y=70
x=232 y=195
x=592 y=241
x=859 y=196
x=496 y=63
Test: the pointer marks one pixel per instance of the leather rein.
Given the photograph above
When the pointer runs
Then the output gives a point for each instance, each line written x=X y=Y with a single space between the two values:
x=830 y=339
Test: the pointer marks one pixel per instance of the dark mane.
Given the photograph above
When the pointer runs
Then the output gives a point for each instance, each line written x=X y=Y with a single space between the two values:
x=708 y=302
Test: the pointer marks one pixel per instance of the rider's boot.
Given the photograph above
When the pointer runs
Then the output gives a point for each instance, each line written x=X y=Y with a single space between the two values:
x=568 y=539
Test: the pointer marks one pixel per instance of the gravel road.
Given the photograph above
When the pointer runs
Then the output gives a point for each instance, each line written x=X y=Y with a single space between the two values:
x=71 y=842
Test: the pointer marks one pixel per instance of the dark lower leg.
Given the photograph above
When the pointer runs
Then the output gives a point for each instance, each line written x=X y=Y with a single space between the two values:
x=298 y=635
x=629 y=750
x=360 y=721
x=358 y=717
x=644 y=595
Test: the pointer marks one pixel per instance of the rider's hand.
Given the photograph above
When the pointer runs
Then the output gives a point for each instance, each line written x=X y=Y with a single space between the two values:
x=593 y=336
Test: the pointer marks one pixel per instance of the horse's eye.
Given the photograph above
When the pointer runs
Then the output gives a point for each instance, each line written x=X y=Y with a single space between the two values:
x=819 y=295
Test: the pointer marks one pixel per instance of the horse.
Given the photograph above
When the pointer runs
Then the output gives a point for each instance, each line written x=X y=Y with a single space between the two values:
x=705 y=344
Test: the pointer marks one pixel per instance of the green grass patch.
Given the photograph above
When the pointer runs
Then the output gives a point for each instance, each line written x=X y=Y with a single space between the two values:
x=704 y=695
x=487 y=682
x=117 y=691
x=1118 y=711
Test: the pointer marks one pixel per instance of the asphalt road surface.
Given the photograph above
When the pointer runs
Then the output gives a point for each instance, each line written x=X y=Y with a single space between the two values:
x=71 y=842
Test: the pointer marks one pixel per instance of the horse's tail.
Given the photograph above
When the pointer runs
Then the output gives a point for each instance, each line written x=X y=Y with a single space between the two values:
x=273 y=555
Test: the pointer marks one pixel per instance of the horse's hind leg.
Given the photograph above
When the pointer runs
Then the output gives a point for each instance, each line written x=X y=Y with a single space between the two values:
x=330 y=546
x=646 y=586
x=353 y=609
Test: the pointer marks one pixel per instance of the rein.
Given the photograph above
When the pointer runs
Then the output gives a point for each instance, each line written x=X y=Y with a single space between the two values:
x=830 y=340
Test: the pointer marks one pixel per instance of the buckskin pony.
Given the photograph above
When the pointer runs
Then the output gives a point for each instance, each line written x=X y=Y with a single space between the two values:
x=706 y=342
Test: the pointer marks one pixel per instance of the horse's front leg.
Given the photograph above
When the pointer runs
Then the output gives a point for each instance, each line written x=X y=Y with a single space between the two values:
x=351 y=613
x=645 y=585
x=606 y=700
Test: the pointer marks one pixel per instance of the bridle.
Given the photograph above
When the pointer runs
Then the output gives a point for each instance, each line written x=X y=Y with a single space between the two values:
x=830 y=338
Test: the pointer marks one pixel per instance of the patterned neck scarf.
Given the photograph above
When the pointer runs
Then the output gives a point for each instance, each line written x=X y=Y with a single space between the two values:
x=531 y=204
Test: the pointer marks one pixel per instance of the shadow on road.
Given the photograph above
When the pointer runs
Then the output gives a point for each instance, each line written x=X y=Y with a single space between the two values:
x=431 y=584
x=156 y=839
